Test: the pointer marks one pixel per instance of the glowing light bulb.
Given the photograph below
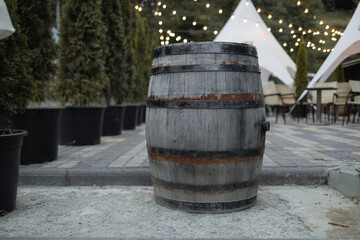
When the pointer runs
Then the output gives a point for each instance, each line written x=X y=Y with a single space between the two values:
x=185 y=40
x=280 y=21
x=207 y=5
x=298 y=39
x=159 y=3
x=296 y=44
x=232 y=16
x=159 y=13
x=205 y=28
x=174 y=12
x=270 y=16
x=269 y=29
x=290 y=25
x=160 y=22
x=220 y=11
x=327 y=27
x=298 y=3
x=309 y=31
x=164 y=6
x=194 y=23
x=284 y=44
x=291 y=49
x=140 y=9
x=161 y=37
x=259 y=10
x=160 y=31
x=136 y=7
x=281 y=30
x=183 y=18
x=306 y=10
x=216 y=32
x=321 y=22
x=247 y=3
x=162 y=42
x=300 y=28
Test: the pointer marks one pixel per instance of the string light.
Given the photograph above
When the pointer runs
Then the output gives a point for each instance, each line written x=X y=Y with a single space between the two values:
x=270 y=16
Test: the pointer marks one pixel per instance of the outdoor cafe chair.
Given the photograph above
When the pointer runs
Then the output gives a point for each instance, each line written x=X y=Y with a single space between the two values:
x=352 y=103
x=278 y=96
x=339 y=99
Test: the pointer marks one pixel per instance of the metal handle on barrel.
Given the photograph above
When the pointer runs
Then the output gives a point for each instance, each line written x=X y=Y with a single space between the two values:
x=265 y=126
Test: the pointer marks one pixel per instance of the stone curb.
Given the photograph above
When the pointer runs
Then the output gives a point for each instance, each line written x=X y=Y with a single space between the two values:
x=141 y=176
x=345 y=180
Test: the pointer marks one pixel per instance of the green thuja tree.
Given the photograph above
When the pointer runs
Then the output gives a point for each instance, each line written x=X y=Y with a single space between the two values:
x=130 y=58
x=154 y=43
x=301 y=79
x=16 y=88
x=339 y=75
x=142 y=47
x=115 y=57
x=36 y=21
x=82 y=76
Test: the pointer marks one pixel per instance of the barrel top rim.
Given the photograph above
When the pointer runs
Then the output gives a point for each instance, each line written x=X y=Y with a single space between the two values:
x=212 y=48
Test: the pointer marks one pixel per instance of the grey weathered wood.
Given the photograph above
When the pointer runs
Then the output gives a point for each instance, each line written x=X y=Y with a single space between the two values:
x=204 y=130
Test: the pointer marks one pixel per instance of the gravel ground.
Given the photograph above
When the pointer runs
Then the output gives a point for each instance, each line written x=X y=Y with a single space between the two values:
x=130 y=212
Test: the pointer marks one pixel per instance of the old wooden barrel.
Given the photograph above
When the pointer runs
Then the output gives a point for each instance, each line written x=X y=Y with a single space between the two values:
x=205 y=126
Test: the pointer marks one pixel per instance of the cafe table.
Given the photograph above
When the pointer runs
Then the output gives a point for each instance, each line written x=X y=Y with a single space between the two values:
x=318 y=100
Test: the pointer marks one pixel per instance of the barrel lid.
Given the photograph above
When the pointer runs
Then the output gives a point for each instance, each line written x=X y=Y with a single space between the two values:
x=206 y=48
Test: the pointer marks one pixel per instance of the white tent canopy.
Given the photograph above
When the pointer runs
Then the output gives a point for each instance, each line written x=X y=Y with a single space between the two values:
x=348 y=44
x=6 y=27
x=246 y=26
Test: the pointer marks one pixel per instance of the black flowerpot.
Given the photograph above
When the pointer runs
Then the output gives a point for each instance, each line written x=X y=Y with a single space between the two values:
x=113 y=120
x=10 y=150
x=43 y=125
x=81 y=125
x=140 y=115
x=144 y=114
x=130 y=117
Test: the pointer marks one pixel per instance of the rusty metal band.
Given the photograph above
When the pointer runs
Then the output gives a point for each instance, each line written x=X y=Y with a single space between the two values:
x=207 y=104
x=209 y=48
x=206 y=207
x=204 y=188
x=206 y=154
x=206 y=68
x=210 y=96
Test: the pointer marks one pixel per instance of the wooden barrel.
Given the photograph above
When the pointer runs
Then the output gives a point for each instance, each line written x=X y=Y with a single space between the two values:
x=205 y=126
